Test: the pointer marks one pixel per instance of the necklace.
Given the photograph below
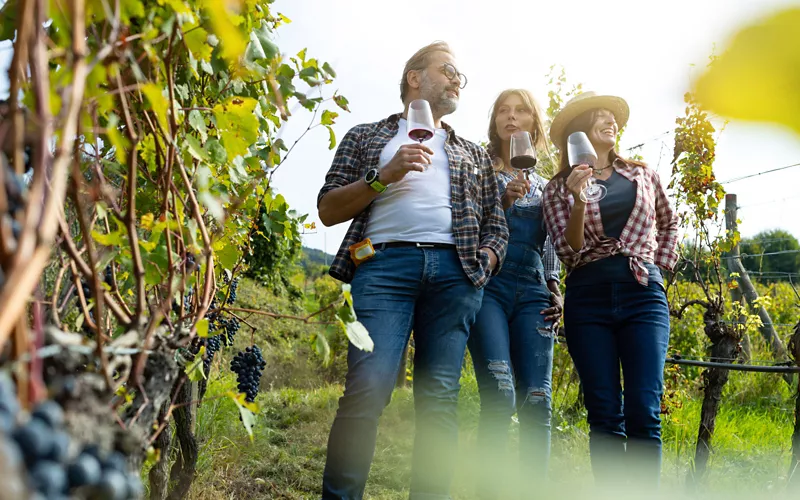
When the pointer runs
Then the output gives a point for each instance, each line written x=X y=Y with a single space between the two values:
x=598 y=170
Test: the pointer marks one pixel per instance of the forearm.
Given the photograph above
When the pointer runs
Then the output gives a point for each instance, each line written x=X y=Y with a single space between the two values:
x=552 y=285
x=346 y=202
x=574 y=231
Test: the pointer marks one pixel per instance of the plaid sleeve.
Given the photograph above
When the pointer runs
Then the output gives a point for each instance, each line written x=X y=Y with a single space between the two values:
x=552 y=266
x=346 y=166
x=502 y=182
x=494 y=231
x=556 y=215
x=666 y=254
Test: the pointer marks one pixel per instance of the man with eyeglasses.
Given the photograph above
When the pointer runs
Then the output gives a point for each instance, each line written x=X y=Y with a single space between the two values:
x=427 y=231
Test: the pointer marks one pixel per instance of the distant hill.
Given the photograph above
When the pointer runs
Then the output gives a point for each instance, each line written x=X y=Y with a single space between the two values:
x=312 y=257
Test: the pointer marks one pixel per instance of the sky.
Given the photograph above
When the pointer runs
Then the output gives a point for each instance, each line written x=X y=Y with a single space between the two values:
x=646 y=52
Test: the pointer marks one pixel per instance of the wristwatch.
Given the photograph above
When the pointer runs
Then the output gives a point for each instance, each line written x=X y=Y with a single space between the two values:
x=371 y=178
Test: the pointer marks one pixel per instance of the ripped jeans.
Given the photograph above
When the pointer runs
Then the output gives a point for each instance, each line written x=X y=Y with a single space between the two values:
x=512 y=350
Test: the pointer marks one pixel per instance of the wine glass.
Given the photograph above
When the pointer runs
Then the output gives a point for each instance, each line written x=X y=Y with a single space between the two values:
x=420 y=121
x=523 y=157
x=581 y=152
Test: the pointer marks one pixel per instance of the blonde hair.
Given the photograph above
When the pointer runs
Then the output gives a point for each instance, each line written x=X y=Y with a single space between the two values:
x=538 y=136
x=420 y=61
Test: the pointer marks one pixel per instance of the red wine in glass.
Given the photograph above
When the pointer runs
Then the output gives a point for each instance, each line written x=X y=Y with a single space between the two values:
x=581 y=152
x=523 y=158
x=420 y=134
x=420 y=120
x=523 y=162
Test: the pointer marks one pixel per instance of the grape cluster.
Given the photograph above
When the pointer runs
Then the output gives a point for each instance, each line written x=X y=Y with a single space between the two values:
x=187 y=299
x=231 y=326
x=108 y=276
x=248 y=366
x=42 y=447
x=212 y=317
x=213 y=346
x=87 y=290
x=191 y=263
x=232 y=294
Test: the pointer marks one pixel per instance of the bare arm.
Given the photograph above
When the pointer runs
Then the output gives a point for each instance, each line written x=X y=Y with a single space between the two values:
x=343 y=203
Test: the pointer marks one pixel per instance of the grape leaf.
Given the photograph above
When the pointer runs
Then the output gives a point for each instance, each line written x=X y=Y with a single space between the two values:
x=197 y=41
x=355 y=331
x=202 y=328
x=195 y=369
x=261 y=47
x=247 y=412
x=198 y=123
x=756 y=77
x=237 y=124
x=224 y=25
x=157 y=102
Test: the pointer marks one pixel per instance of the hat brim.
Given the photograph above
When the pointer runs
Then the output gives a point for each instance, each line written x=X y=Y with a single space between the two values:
x=616 y=105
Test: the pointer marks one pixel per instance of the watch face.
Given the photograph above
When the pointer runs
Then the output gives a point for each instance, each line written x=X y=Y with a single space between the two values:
x=372 y=174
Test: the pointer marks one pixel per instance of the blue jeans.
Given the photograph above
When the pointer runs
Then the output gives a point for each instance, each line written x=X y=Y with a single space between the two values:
x=398 y=290
x=608 y=326
x=512 y=350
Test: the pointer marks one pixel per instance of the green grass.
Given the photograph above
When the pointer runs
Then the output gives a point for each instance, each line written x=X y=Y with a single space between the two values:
x=286 y=456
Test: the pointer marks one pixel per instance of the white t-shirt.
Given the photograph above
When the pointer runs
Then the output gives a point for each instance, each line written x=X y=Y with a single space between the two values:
x=417 y=208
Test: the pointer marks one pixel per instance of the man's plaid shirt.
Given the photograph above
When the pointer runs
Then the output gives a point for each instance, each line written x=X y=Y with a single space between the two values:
x=478 y=219
x=651 y=233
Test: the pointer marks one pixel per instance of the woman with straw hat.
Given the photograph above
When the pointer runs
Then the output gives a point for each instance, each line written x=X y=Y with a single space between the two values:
x=615 y=310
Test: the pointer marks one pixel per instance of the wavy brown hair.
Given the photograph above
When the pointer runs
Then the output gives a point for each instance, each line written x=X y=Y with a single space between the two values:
x=538 y=136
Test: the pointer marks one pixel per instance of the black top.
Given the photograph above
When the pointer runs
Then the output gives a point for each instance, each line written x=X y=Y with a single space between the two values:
x=616 y=207
x=615 y=210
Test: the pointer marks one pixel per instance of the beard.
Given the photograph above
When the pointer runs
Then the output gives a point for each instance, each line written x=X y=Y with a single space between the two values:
x=436 y=94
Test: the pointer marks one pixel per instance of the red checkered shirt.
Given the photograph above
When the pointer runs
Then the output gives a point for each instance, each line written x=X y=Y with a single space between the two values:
x=478 y=219
x=650 y=235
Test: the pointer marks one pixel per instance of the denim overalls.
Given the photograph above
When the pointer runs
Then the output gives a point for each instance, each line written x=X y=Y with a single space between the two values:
x=512 y=351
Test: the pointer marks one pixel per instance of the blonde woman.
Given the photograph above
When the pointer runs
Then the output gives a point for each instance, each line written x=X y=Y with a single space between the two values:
x=511 y=342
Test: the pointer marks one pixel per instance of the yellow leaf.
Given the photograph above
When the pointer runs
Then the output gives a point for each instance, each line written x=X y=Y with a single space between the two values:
x=157 y=102
x=247 y=412
x=757 y=76
x=147 y=245
x=196 y=41
x=147 y=221
x=223 y=22
x=237 y=125
x=195 y=370
x=202 y=328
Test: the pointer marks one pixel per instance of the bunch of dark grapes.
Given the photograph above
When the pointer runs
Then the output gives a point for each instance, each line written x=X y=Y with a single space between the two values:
x=213 y=317
x=232 y=294
x=248 y=366
x=187 y=300
x=191 y=263
x=87 y=290
x=231 y=326
x=41 y=446
x=108 y=276
x=213 y=346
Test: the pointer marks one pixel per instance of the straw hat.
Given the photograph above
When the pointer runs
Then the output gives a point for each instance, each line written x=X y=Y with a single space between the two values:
x=584 y=102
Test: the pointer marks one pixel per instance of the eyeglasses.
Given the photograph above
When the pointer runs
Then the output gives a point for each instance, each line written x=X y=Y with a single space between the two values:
x=452 y=73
